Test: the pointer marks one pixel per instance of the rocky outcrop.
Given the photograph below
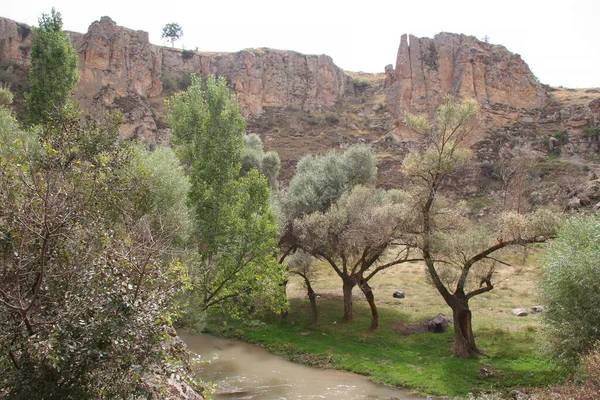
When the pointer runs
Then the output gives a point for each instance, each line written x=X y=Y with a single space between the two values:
x=428 y=69
x=15 y=42
x=120 y=68
x=268 y=78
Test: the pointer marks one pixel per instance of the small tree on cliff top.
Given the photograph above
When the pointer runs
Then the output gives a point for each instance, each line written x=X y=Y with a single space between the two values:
x=455 y=249
x=172 y=32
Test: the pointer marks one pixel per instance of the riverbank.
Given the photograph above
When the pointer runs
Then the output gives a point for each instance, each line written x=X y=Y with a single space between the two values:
x=400 y=356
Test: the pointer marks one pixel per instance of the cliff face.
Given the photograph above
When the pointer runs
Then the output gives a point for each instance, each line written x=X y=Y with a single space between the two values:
x=428 y=69
x=15 y=41
x=120 y=68
x=300 y=103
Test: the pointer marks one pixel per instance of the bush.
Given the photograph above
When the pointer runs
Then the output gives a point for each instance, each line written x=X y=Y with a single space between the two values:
x=569 y=287
x=6 y=96
x=169 y=83
x=332 y=119
x=585 y=385
x=187 y=54
x=184 y=81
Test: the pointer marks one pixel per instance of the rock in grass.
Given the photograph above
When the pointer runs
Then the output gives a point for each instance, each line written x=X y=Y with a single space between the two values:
x=398 y=294
x=439 y=323
x=520 y=312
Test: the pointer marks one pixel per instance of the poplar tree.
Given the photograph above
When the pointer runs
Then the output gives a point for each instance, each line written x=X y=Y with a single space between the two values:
x=53 y=73
x=236 y=231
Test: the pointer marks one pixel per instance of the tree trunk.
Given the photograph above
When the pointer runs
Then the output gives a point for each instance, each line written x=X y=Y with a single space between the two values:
x=312 y=296
x=347 y=288
x=464 y=341
x=285 y=313
x=368 y=292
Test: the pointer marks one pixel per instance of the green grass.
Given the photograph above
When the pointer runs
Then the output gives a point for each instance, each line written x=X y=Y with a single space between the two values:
x=421 y=362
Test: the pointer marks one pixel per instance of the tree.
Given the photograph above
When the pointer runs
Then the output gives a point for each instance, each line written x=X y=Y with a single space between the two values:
x=455 y=249
x=254 y=157
x=87 y=276
x=53 y=73
x=353 y=235
x=302 y=264
x=172 y=32
x=568 y=287
x=319 y=181
x=235 y=229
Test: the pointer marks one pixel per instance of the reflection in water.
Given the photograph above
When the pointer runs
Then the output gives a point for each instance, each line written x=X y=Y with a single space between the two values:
x=244 y=371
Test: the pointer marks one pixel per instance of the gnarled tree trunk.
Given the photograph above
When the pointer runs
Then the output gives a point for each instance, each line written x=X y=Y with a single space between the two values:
x=368 y=292
x=347 y=289
x=464 y=341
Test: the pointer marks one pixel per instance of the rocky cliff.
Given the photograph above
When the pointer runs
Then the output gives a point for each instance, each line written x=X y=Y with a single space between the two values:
x=120 y=68
x=304 y=103
x=518 y=112
x=427 y=69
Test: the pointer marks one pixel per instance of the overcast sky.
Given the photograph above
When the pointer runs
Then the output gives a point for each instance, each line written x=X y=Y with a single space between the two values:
x=560 y=40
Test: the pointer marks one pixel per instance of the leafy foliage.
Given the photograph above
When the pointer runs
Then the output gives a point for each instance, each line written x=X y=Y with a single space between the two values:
x=236 y=231
x=254 y=157
x=53 y=73
x=569 y=287
x=172 y=32
x=87 y=278
x=321 y=180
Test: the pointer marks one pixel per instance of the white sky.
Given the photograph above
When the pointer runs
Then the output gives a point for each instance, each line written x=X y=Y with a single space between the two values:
x=560 y=40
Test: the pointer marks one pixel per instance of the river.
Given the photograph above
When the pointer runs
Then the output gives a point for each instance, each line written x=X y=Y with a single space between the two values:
x=245 y=371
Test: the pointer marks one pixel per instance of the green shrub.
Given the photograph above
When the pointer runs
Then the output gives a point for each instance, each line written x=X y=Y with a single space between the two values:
x=169 y=83
x=187 y=54
x=184 y=81
x=6 y=96
x=569 y=288
x=332 y=119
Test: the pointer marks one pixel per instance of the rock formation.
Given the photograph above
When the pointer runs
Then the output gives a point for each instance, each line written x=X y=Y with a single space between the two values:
x=15 y=42
x=119 y=68
x=304 y=103
x=428 y=69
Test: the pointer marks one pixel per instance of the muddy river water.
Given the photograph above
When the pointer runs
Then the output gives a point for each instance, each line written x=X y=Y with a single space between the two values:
x=244 y=371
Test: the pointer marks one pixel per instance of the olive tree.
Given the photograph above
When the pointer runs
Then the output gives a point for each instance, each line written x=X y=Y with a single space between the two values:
x=53 y=73
x=353 y=235
x=455 y=249
x=235 y=231
x=568 y=287
x=319 y=181
x=302 y=264
x=254 y=157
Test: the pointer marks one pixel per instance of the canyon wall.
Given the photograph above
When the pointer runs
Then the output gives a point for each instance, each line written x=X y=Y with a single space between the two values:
x=120 y=68
x=428 y=69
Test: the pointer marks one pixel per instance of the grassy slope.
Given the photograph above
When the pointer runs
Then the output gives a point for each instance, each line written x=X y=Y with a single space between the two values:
x=421 y=362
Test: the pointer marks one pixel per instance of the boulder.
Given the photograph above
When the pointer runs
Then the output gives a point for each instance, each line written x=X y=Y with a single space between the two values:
x=398 y=294
x=520 y=312
x=439 y=323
